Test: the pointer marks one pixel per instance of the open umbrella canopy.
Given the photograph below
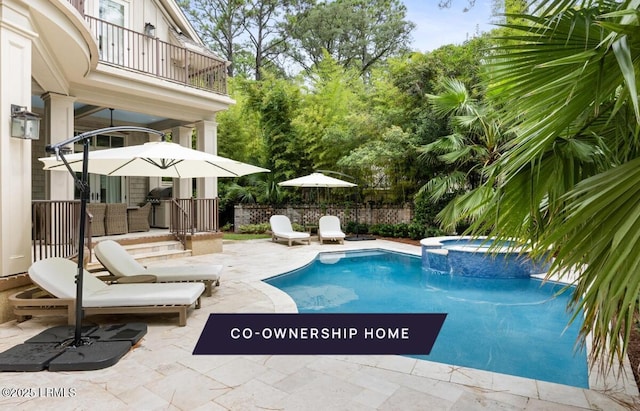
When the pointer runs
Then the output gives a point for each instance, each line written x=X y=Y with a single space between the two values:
x=155 y=159
x=316 y=180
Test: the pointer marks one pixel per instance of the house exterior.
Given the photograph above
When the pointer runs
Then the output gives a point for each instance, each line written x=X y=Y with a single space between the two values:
x=87 y=64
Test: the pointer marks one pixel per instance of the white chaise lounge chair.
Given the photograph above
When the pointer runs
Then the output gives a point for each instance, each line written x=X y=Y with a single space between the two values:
x=56 y=276
x=281 y=229
x=329 y=229
x=121 y=264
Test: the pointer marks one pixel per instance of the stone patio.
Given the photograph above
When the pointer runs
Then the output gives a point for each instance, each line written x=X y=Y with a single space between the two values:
x=160 y=373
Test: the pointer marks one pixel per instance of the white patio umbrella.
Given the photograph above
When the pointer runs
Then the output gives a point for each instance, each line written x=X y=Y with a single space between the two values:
x=154 y=159
x=316 y=180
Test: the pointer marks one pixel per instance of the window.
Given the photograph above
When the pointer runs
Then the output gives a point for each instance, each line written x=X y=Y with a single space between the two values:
x=111 y=37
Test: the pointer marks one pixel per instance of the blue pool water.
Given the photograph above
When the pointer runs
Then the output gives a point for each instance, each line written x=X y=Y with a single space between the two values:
x=510 y=326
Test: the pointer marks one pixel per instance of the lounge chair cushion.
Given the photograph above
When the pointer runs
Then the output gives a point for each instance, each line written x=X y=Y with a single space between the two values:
x=120 y=263
x=329 y=229
x=57 y=276
x=281 y=228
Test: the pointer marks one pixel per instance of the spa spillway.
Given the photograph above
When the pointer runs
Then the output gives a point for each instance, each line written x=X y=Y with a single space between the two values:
x=477 y=257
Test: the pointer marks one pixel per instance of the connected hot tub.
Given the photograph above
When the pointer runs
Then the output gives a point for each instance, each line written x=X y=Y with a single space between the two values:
x=478 y=257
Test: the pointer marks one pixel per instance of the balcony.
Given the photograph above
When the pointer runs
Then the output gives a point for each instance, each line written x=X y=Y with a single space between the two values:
x=188 y=64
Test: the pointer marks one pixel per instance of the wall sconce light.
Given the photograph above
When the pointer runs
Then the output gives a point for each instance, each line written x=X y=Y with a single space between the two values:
x=24 y=124
x=149 y=29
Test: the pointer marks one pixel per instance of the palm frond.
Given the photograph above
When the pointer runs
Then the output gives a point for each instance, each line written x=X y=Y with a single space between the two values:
x=570 y=181
x=440 y=186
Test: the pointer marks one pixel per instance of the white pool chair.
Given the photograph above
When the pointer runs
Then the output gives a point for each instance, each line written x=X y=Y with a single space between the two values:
x=281 y=229
x=329 y=229
x=56 y=277
x=120 y=263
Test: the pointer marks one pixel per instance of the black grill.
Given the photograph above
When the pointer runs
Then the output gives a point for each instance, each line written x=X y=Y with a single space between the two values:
x=159 y=193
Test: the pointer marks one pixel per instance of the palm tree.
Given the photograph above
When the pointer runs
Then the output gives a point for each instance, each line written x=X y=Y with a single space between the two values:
x=570 y=184
x=477 y=142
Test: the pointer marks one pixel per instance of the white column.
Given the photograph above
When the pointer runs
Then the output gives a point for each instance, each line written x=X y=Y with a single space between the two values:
x=58 y=126
x=15 y=153
x=182 y=187
x=207 y=139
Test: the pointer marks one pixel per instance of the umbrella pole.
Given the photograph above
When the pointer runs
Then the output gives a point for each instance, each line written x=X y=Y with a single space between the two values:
x=55 y=349
x=84 y=197
x=83 y=186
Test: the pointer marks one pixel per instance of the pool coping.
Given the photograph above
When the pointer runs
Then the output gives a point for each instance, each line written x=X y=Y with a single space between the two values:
x=607 y=384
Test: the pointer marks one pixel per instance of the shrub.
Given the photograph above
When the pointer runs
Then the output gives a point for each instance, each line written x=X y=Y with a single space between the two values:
x=434 y=232
x=401 y=230
x=416 y=231
x=374 y=229
x=387 y=230
x=297 y=227
x=361 y=228
x=254 y=228
x=425 y=210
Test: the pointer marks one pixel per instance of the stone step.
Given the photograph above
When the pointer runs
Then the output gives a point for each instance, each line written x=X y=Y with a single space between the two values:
x=148 y=252
x=153 y=247
x=161 y=256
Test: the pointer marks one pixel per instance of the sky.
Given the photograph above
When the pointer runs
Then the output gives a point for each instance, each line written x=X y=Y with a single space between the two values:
x=436 y=27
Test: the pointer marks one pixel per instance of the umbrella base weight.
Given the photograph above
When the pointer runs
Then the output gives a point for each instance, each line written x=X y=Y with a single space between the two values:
x=54 y=349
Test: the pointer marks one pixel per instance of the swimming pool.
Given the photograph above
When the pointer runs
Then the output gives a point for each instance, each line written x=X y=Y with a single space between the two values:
x=510 y=326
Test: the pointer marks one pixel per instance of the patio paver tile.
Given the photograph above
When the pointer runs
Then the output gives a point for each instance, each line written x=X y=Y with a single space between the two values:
x=237 y=372
x=562 y=394
x=187 y=389
x=252 y=395
x=409 y=400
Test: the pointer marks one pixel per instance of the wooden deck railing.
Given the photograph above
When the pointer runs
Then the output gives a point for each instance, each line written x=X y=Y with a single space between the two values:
x=55 y=225
x=55 y=229
x=193 y=215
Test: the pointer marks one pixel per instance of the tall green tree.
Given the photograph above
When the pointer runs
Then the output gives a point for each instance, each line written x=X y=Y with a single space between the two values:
x=262 y=26
x=220 y=23
x=239 y=128
x=276 y=102
x=499 y=6
x=379 y=163
x=477 y=142
x=570 y=183
x=356 y=33
x=248 y=33
x=329 y=117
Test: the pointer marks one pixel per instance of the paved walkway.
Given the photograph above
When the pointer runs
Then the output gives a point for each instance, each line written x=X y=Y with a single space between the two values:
x=162 y=374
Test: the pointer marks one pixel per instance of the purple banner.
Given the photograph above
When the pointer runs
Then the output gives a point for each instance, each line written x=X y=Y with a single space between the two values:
x=319 y=334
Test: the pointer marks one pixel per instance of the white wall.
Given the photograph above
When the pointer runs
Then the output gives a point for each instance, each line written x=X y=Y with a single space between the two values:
x=15 y=154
